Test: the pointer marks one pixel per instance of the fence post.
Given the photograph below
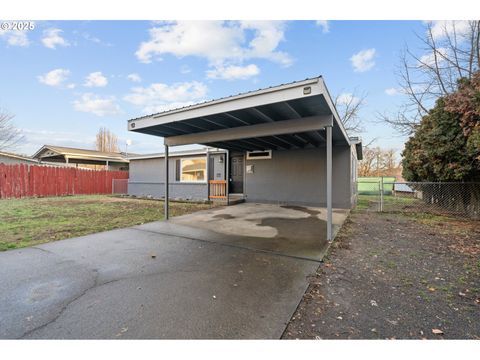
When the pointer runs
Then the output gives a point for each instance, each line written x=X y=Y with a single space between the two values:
x=381 y=194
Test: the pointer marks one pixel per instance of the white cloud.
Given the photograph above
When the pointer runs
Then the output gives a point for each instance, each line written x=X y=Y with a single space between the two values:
x=392 y=91
x=97 y=105
x=233 y=72
x=134 y=77
x=347 y=98
x=324 y=25
x=363 y=60
x=219 y=42
x=15 y=38
x=160 y=97
x=429 y=59
x=443 y=27
x=54 y=78
x=94 y=39
x=52 y=38
x=95 y=79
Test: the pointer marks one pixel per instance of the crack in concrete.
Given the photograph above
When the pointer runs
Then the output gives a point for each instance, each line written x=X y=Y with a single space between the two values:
x=64 y=307
x=95 y=285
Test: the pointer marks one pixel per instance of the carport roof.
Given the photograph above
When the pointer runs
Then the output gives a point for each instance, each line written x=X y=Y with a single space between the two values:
x=286 y=116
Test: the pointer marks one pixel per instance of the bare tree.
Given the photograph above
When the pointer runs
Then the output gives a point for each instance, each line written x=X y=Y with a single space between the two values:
x=348 y=106
x=10 y=136
x=378 y=162
x=106 y=140
x=451 y=50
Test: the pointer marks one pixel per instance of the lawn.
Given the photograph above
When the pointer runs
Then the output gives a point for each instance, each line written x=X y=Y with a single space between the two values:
x=390 y=202
x=371 y=185
x=27 y=222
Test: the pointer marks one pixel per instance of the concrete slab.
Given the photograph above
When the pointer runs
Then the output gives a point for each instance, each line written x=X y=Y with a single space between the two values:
x=137 y=284
x=296 y=231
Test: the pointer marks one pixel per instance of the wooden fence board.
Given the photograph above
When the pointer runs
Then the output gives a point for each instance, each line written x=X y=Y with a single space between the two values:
x=23 y=180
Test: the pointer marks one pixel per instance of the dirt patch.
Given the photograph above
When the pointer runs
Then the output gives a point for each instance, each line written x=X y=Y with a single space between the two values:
x=395 y=276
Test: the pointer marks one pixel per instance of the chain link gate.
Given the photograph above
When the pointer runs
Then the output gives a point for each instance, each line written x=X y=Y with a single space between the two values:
x=441 y=198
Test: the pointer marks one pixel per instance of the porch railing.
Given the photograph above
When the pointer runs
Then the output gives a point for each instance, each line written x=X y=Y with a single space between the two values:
x=218 y=189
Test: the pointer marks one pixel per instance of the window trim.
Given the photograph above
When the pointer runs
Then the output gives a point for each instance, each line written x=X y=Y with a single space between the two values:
x=251 y=155
x=193 y=181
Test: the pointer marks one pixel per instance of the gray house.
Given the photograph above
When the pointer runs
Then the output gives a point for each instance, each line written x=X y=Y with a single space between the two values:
x=188 y=178
x=283 y=144
x=11 y=158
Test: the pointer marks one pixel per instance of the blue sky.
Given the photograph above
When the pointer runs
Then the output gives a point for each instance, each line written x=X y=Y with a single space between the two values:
x=65 y=79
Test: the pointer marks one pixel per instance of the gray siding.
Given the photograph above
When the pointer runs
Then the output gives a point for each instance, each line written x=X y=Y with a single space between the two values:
x=147 y=178
x=11 y=160
x=217 y=167
x=291 y=176
x=298 y=177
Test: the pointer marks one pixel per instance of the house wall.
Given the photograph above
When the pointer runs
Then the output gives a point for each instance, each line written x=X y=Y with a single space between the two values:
x=291 y=176
x=299 y=177
x=11 y=160
x=217 y=166
x=147 y=179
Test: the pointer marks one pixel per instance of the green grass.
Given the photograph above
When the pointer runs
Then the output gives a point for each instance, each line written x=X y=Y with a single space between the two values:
x=371 y=185
x=27 y=222
x=390 y=202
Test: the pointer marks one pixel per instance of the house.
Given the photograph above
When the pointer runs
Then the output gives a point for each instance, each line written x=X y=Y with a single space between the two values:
x=11 y=158
x=188 y=181
x=283 y=144
x=82 y=157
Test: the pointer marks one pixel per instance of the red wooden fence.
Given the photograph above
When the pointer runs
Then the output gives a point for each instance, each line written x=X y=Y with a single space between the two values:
x=23 y=180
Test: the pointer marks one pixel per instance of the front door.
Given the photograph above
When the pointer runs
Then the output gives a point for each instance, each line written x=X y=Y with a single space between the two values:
x=236 y=174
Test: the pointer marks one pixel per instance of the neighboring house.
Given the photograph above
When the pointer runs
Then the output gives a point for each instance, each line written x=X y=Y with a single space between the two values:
x=284 y=144
x=11 y=158
x=82 y=157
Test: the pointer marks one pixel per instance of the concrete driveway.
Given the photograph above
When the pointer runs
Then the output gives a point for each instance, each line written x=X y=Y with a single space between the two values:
x=175 y=279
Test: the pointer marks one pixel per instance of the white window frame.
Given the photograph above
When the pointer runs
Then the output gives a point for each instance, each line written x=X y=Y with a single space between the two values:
x=193 y=181
x=269 y=156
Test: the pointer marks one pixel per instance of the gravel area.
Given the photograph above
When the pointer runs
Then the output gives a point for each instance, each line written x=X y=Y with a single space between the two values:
x=395 y=276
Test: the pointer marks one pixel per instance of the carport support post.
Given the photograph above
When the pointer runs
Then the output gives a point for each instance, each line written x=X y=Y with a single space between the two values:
x=166 y=182
x=329 y=181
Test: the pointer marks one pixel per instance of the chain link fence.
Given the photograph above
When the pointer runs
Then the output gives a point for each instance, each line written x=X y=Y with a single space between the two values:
x=120 y=186
x=441 y=198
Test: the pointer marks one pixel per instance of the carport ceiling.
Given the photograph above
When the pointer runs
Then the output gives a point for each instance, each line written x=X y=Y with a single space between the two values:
x=285 y=102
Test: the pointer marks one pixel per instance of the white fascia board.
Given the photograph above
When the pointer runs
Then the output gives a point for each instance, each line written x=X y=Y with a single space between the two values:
x=252 y=99
x=332 y=107
x=99 y=158
x=39 y=151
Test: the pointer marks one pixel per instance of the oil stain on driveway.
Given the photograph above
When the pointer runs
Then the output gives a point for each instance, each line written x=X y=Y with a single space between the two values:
x=155 y=281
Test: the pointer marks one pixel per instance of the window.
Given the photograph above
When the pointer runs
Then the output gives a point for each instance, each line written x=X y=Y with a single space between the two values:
x=193 y=169
x=258 y=155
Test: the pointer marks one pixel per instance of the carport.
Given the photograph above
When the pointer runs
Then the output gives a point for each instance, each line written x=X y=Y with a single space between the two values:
x=296 y=115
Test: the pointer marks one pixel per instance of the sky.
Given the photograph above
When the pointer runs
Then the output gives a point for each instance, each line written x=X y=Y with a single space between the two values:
x=64 y=80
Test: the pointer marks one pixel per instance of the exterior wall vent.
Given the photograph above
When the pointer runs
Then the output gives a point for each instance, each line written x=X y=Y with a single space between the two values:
x=259 y=155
